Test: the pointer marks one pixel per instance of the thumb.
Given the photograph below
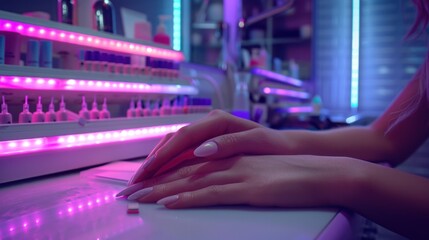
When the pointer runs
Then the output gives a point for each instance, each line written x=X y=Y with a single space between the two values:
x=252 y=141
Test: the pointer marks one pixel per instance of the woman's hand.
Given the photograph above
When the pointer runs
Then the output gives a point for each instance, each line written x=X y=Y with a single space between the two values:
x=274 y=180
x=218 y=135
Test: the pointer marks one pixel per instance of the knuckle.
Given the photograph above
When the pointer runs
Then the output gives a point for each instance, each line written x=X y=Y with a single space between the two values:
x=183 y=131
x=216 y=112
x=161 y=189
x=229 y=139
x=188 y=196
x=184 y=171
x=214 y=189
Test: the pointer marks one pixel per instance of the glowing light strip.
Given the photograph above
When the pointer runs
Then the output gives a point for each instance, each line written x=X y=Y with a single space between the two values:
x=11 y=147
x=277 y=77
x=354 y=81
x=177 y=24
x=37 y=83
x=303 y=109
x=286 y=92
x=77 y=38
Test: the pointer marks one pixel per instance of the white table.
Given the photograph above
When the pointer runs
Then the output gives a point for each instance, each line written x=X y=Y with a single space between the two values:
x=72 y=206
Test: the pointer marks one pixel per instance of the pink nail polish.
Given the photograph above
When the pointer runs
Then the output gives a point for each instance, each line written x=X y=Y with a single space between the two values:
x=140 y=194
x=168 y=200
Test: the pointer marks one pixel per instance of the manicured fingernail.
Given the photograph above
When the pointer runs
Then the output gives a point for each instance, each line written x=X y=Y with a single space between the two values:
x=141 y=170
x=168 y=200
x=206 y=149
x=129 y=190
x=140 y=194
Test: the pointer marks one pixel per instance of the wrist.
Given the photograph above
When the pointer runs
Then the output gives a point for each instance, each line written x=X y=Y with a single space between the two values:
x=348 y=184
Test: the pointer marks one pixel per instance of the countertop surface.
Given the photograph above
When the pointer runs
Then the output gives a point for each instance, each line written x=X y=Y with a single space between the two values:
x=79 y=206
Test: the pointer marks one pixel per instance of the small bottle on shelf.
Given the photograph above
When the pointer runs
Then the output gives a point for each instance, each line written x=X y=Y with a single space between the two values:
x=139 y=109
x=50 y=115
x=25 y=115
x=84 y=113
x=5 y=116
x=155 y=109
x=104 y=113
x=177 y=108
x=39 y=115
x=146 y=111
x=165 y=108
x=62 y=112
x=131 y=112
x=94 y=113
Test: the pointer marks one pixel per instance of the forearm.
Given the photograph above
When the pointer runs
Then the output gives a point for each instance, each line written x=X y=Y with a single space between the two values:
x=394 y=199
x=355 y=142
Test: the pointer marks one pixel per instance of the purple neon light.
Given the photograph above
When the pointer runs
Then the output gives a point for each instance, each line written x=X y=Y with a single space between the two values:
x=302 y=109
x=286 y=92
x=68 y=141
x=77 y=38
x=277 y=77
x=37 y=83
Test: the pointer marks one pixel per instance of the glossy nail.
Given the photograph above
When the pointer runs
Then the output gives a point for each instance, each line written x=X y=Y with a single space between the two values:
x=130 y=190
x=168 y=200
x=140 y=194
x=206 y=149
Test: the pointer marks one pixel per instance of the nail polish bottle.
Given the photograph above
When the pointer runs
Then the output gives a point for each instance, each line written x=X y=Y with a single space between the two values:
x=82 y=60
x=139 y=109
x=165 y=108
x=104 y=113
x=5 y=116
x=25 y=115
x=104 y=57
x=131 y=112
x=94 y=113
x=50 y=115
x=177 y=108
x=45 y=54
x=155 y=109
x=112 y=63
x=39 y=115
x=62 y=112
x=186 y=105
x=146 y=111
x=84 y=113
x=33 y=53
x=89 y=59
x=96 y=63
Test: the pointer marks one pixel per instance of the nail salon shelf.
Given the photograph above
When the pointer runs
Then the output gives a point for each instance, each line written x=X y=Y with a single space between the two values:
x=45 y=148
x=36 y=149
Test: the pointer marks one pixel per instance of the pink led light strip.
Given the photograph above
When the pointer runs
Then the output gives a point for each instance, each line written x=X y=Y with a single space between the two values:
x=286 y=92
x=277 y=77
x=77 y=38
x=11 y=147
x=37 y=83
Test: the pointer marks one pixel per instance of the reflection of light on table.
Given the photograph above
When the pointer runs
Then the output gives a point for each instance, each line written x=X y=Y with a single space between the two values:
x=31 y=225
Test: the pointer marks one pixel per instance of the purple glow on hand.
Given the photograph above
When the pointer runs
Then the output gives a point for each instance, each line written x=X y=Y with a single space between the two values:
x=286 y=92
x=77 y=38
x=278 y=77
x=20 y=82
x=57 y=142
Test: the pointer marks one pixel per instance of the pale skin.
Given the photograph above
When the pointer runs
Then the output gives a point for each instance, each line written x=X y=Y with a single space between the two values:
x=257 y=166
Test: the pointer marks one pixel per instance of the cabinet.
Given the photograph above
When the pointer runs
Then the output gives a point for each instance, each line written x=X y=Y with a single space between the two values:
x=34 y=149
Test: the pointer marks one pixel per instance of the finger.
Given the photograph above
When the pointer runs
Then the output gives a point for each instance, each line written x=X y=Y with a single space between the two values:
x=253 y=141
x=157 y=192
x=195 y=168
x=140 y=172
x=228 y=194
x=217 y=123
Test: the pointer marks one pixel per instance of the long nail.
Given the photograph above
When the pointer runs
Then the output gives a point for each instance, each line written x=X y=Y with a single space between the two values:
x=168 y=200
x=130 y=190
x=140 y=171
x=140 y=194
x=206 y=149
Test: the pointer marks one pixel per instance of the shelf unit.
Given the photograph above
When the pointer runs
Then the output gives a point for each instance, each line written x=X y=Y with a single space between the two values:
x=35 y=149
